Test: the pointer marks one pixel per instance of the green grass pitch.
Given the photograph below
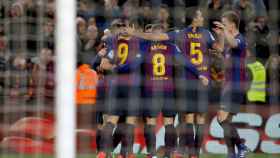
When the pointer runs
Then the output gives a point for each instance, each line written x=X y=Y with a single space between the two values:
x=138 y=156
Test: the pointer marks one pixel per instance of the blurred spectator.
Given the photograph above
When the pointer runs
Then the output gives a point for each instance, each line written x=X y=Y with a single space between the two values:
x=82 y=28
x=246 y=11
x=273 y=79
x=50 y=9
x=112 y=10
x=259 y=37
x=19 y=78
x=256 y=77
x=43 y=77
x=91 y=36
x=145 y=14
x=164 y=18
x=92 y=21
x=215 y=10
x=48 y=32
x=130 y=10
x=259 y=7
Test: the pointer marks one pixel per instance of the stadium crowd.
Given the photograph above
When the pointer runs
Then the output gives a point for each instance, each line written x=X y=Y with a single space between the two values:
x=27 y=47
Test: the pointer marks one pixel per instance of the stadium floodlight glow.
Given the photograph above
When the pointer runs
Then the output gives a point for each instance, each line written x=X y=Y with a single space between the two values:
x=65 y=78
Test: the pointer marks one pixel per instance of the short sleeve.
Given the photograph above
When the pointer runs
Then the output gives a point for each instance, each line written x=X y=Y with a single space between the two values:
x=210 y=39
x=173 y=35
x=241 y=44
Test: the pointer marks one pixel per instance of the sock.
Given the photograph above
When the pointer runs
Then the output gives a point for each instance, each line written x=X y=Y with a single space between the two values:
x=106 y=137
x=228 y=136
x=128 y=139
x=170 y=139
x=186 y=137
x=199 y=137
x=150 y=138
x=117 y=136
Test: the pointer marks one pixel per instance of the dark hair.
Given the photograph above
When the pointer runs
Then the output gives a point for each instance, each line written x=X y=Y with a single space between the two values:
x=191 y=14
x=232 y=17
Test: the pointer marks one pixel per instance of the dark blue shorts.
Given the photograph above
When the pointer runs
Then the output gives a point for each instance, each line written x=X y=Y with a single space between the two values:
x=192 y=97
x=231 y=100
x=155 y=102
x=124 y=100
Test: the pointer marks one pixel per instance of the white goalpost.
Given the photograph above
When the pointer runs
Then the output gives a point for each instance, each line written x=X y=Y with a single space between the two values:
x=65 y=78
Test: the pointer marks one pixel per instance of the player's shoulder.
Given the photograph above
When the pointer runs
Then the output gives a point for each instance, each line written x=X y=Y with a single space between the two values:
x=240 y=37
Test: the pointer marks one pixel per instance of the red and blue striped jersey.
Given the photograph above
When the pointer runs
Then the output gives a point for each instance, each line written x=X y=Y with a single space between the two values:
x=194 y=44
x=235 y=63
x=157 y=60
x=123 y=50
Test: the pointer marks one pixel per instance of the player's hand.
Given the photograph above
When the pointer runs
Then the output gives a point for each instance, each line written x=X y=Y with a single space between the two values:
x=219 y=28
x=106 y=65
x=204 y=80
x=130 y=30
x=102 y=52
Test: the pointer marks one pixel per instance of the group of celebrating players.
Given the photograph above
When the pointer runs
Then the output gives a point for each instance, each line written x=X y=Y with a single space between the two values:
x=141 y=83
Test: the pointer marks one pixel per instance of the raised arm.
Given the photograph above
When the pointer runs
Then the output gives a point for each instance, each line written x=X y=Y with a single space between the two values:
x=147 y=36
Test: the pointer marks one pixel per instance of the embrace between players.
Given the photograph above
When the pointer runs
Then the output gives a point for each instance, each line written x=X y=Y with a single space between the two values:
x=144 y=65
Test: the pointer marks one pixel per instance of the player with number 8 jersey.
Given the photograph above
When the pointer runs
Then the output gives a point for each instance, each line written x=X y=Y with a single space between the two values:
x=158 y=61
x=194 y=41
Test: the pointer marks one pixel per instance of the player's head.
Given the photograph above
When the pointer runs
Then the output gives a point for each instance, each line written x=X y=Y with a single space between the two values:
x=194 y=16
x=157 y=28
x=118 y=26
x=231 y=20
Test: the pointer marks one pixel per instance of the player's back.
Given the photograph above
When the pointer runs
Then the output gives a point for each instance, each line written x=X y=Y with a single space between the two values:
x=195 y=45
x=124 y=51
x=159 y=67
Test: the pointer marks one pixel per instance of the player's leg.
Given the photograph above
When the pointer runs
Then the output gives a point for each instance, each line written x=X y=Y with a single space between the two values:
x=170 y=137
x=106 y=134
x=150 y=110
x=169 y=112
x=224 y=119
x=186 y=134
x=191 y=106
x=231 y=101
x=200 y=116
x=128 y=135
x=200 y=129
x=131 y=109
x=150 y=135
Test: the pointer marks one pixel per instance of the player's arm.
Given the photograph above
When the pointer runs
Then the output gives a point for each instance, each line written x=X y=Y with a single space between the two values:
x=190 y=67
x=129 y=67
x=147 y=36
x=97 y=59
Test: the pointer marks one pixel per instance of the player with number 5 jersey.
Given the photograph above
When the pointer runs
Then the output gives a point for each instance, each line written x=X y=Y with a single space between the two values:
x=158 y=61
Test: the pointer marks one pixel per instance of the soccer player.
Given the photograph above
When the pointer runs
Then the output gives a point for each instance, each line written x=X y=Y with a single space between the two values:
x=158 y=59
x=124 y=93
x=194 y=41
x=235 y=77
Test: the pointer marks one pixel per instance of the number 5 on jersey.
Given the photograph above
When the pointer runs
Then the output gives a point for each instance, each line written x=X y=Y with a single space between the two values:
x=196 y=54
